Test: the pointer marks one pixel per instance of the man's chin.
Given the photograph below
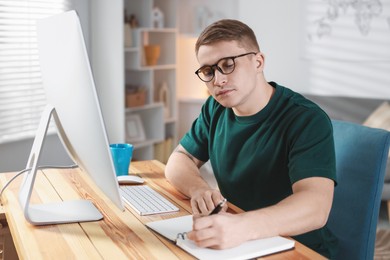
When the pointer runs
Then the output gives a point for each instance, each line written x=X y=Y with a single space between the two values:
x=226 y=104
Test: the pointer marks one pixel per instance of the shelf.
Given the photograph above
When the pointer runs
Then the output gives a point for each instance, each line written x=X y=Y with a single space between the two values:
x=131 y=49
x=135 y=60
x=149 y=142
x=145 y=107
x=159 y=81
x=156 y=30
x=170 y=120
x=156 y=67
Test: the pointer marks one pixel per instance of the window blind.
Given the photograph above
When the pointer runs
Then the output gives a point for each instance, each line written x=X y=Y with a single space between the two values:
x=22 y=98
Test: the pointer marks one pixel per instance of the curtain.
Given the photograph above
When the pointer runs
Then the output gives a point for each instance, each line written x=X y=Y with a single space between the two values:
x=22 y=98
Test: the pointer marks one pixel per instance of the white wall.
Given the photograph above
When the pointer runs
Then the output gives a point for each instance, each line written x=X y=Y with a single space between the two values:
x=277 y=27
x=280 y=28
x=14 y=155
x=194 y=15
x=102 y=25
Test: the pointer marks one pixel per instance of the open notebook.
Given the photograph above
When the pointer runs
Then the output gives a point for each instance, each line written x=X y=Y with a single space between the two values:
x=175 y=228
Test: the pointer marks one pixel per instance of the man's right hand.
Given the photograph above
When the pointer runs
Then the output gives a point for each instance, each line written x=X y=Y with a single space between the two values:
x=203 y=201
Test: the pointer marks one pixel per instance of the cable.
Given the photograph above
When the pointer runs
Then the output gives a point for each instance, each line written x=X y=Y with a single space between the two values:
x=29 y=169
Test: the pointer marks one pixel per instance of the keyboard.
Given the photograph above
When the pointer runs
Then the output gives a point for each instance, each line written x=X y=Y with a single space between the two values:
x=146 y=201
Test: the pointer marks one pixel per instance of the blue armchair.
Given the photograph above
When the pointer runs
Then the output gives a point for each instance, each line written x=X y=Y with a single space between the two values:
x=361 y=156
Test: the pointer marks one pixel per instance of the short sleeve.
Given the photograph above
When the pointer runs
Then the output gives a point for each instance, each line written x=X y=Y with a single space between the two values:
x=312 y=151
x=196 y=140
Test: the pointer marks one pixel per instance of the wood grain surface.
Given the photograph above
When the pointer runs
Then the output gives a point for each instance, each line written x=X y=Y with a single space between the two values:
x=120 y=235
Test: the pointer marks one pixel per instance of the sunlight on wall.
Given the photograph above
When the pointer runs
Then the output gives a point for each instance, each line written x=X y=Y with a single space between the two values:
x=347 y=47
x=341 y=30
x=362 y=79
x=189 y=85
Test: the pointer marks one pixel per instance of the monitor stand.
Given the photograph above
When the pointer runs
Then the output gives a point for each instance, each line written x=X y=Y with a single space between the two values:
x=50 y=213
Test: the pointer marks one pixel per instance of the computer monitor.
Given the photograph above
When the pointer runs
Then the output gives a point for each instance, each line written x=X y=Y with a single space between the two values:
x=74 y=105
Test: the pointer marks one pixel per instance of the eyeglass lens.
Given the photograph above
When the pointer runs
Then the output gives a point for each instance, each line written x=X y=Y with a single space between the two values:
x=225 y=66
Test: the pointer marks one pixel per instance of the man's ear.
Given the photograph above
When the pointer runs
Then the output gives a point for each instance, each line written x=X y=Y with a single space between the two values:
x=260 y=60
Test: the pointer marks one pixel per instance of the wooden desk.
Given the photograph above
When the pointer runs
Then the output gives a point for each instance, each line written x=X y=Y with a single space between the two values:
x=120 y=235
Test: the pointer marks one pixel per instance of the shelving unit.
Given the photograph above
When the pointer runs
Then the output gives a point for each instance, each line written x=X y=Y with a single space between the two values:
x=158 y=115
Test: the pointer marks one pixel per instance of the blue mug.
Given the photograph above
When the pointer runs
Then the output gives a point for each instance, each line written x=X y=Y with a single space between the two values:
x=121 y=156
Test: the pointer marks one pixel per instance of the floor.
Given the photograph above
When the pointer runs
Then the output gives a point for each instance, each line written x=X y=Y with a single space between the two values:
x=383 y=221
x=382 y=243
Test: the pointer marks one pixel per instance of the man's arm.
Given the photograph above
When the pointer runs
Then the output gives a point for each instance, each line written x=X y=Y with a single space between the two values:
x=182 y=171
x=305 y=210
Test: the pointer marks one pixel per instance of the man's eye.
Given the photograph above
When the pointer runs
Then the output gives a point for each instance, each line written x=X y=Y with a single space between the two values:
x=207 y=72
x=226 y=64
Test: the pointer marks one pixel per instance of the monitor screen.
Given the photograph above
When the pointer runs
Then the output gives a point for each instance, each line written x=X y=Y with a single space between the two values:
x=70 y=89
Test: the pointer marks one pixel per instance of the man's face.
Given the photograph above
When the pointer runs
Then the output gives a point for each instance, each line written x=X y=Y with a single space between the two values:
x=234 y=89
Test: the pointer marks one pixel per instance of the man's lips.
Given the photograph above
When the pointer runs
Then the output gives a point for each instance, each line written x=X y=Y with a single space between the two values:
x=223 y=92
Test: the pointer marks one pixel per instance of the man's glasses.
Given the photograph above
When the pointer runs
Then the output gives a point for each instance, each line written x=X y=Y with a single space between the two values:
x=225 y=66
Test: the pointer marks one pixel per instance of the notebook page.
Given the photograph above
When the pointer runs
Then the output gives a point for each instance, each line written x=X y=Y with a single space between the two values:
x=247 y=250
x=170 y=228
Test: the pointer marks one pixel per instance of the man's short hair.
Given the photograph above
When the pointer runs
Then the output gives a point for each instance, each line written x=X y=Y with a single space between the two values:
x=228 y=30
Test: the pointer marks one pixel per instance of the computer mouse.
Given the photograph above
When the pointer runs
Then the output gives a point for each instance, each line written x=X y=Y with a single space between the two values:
x=129 y=179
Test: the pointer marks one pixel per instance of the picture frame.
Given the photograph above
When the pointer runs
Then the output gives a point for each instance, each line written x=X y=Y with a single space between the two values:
x=134 y=129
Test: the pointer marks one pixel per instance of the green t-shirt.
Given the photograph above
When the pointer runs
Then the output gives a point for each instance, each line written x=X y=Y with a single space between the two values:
x=257 y=158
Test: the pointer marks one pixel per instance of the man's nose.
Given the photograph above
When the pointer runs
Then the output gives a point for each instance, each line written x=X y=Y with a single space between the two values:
x=220 y=79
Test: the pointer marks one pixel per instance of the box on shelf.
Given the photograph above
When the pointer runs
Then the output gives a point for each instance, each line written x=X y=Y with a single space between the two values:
x=163 y=150
x=135 y=96
x=135 y=99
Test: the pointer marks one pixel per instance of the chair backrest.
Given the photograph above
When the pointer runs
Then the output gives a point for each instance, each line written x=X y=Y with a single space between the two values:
x=361 y=155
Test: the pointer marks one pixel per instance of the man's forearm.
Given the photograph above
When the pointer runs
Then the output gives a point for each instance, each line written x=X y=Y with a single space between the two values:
x=305 y=210
x=183 y=173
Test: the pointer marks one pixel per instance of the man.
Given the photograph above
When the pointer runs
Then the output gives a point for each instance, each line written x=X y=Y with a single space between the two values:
x=271 y=150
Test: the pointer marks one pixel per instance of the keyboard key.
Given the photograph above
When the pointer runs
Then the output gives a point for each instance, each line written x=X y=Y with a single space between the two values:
x=146 y=201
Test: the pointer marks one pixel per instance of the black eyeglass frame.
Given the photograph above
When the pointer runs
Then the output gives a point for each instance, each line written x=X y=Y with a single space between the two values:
x=215 y=66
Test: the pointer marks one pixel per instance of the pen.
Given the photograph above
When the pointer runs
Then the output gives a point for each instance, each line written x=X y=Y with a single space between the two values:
x=218 y=208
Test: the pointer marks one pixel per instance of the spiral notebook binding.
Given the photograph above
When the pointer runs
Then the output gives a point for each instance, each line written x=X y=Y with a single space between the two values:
x=181 y=236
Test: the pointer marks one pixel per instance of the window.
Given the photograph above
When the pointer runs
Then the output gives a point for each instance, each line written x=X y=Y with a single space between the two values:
x=22 y=99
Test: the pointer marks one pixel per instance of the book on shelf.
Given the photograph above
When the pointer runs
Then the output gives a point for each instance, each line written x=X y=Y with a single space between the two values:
x=163 y=150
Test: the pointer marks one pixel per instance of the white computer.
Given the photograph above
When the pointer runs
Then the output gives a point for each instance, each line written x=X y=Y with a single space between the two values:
x=73 y=103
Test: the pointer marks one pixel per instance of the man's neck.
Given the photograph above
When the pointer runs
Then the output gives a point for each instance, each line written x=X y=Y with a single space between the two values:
x=256 y=102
